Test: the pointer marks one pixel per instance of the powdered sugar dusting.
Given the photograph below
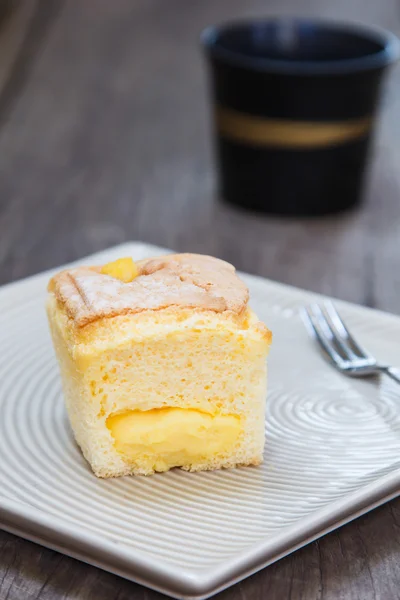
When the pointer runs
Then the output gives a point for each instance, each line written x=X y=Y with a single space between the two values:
x=191 y=281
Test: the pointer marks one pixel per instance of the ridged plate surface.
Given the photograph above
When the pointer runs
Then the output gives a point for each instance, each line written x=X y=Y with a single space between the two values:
x=328 y=439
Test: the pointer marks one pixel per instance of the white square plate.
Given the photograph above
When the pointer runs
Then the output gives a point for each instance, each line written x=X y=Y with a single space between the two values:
x=332 y=453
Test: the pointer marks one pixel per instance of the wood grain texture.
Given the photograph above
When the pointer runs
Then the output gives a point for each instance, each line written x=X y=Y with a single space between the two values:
x=104 y=137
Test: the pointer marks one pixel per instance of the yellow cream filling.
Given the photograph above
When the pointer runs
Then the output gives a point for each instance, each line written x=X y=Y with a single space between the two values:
x=172 y=437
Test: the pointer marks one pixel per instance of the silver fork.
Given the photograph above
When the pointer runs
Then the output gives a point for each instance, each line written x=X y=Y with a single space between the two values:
x=339 y=346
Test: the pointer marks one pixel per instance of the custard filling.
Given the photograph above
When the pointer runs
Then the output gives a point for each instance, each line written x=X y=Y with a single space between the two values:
x=173 y=437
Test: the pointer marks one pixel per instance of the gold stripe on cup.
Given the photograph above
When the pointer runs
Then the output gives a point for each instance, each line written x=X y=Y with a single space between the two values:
x=286 y=133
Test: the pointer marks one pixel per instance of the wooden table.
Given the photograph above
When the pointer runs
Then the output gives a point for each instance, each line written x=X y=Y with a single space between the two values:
x=104 y=137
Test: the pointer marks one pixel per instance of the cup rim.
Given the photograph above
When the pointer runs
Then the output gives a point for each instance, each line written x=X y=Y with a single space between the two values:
x=389 y=53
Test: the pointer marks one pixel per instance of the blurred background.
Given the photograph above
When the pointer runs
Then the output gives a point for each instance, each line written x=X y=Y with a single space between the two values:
x=105 y=137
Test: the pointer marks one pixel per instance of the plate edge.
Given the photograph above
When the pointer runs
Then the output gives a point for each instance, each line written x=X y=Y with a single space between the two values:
x=196 y=586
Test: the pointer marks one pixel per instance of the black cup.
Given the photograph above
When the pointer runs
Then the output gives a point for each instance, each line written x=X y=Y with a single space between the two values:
x=295 y=102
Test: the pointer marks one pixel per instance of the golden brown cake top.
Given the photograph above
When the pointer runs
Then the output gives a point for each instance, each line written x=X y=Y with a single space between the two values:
x=177 y=280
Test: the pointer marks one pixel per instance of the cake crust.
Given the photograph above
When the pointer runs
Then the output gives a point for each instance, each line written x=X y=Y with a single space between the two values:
x=178 y=281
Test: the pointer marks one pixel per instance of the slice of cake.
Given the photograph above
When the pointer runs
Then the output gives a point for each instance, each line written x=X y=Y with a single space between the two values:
x=163 y=364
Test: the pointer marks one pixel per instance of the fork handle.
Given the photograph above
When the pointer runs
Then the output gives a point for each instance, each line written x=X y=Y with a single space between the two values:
x=393 y=373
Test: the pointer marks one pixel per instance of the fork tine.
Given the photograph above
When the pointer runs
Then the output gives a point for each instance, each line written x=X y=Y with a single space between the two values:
x=343 y=332
x=341 y=348
x=336 y=332
x=313 y=326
